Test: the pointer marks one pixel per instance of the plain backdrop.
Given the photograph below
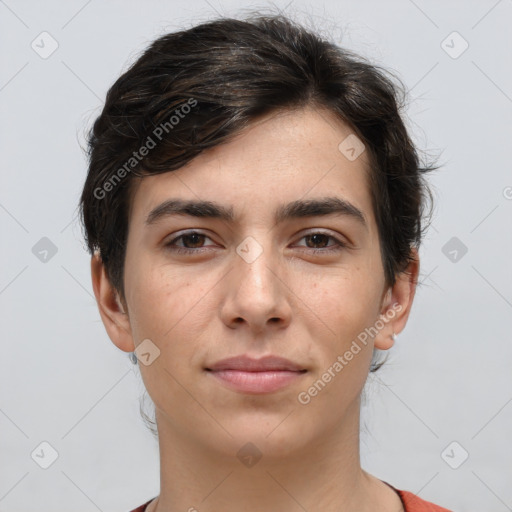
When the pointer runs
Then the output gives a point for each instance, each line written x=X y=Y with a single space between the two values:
x=436 y=419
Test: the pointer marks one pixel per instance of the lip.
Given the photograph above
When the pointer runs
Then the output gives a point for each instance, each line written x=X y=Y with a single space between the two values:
x=248 y=375
x=248 y=364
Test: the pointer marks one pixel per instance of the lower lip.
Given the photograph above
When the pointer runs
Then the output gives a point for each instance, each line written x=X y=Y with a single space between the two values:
x=256 y=382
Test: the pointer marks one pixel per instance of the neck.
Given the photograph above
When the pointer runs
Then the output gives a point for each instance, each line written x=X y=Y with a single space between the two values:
x=324 y=474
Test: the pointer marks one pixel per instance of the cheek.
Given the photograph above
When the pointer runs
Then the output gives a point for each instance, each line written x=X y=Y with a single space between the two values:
x=346 y=302
x=345 y=305
x=164 y=309
x=168 y=307
x=155 y=300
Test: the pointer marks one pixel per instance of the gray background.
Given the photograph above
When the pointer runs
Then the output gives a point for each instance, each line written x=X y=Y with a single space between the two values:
x=63 y=382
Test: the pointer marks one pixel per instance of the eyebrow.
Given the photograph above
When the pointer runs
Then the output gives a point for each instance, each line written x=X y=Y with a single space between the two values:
x=295 y=209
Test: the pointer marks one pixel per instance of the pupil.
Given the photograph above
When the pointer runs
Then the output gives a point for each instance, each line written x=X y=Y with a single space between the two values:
x=314 y=237
x=194 y=236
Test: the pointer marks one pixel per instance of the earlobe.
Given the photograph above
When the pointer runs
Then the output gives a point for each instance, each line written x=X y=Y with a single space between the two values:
x=113 y=314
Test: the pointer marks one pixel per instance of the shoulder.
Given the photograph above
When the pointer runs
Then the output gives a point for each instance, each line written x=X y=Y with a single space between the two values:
x=413 y=503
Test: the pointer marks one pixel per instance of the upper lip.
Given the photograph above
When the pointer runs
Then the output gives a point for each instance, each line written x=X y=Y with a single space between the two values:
x=249 y=364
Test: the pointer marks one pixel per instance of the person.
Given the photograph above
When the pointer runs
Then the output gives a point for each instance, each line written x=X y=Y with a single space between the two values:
x=254 y=207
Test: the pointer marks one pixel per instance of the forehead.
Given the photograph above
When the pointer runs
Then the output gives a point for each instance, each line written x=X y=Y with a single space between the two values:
x=279 y=158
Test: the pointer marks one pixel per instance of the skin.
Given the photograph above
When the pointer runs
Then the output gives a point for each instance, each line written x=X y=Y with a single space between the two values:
x=201 y=308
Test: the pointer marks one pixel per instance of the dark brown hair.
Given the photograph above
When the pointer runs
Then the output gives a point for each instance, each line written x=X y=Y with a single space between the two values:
x=195 y=89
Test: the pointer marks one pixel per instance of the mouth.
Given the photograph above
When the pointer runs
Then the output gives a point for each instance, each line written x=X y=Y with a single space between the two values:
x=256 y=376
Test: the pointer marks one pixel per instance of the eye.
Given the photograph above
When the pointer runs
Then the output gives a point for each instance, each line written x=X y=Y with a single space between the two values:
x=196 y=240
x=193 y=238
x=321 y=238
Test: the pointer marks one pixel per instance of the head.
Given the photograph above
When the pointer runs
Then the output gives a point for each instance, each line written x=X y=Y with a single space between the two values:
x=288 y=146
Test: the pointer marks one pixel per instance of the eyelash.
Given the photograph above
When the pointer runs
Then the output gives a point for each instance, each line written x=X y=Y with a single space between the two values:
x=339 y=245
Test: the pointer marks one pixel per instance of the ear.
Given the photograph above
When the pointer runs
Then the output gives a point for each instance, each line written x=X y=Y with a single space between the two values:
x=397 y=303
x=113 y=314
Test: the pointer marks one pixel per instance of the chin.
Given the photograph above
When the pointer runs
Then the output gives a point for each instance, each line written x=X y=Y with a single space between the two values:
x=258 y=432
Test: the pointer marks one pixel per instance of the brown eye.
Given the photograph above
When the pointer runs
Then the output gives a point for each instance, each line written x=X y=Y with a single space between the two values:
x=322 y=239
x=192 y=243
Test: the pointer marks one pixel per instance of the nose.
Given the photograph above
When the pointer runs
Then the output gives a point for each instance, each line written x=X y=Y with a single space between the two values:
x=257 y=294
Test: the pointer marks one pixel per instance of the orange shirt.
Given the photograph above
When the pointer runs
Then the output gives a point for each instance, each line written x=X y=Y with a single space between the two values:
x=410 y=501
x=413 y=503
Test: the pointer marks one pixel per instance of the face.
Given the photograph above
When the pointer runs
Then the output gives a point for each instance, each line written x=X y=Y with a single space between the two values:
x=302 y=286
